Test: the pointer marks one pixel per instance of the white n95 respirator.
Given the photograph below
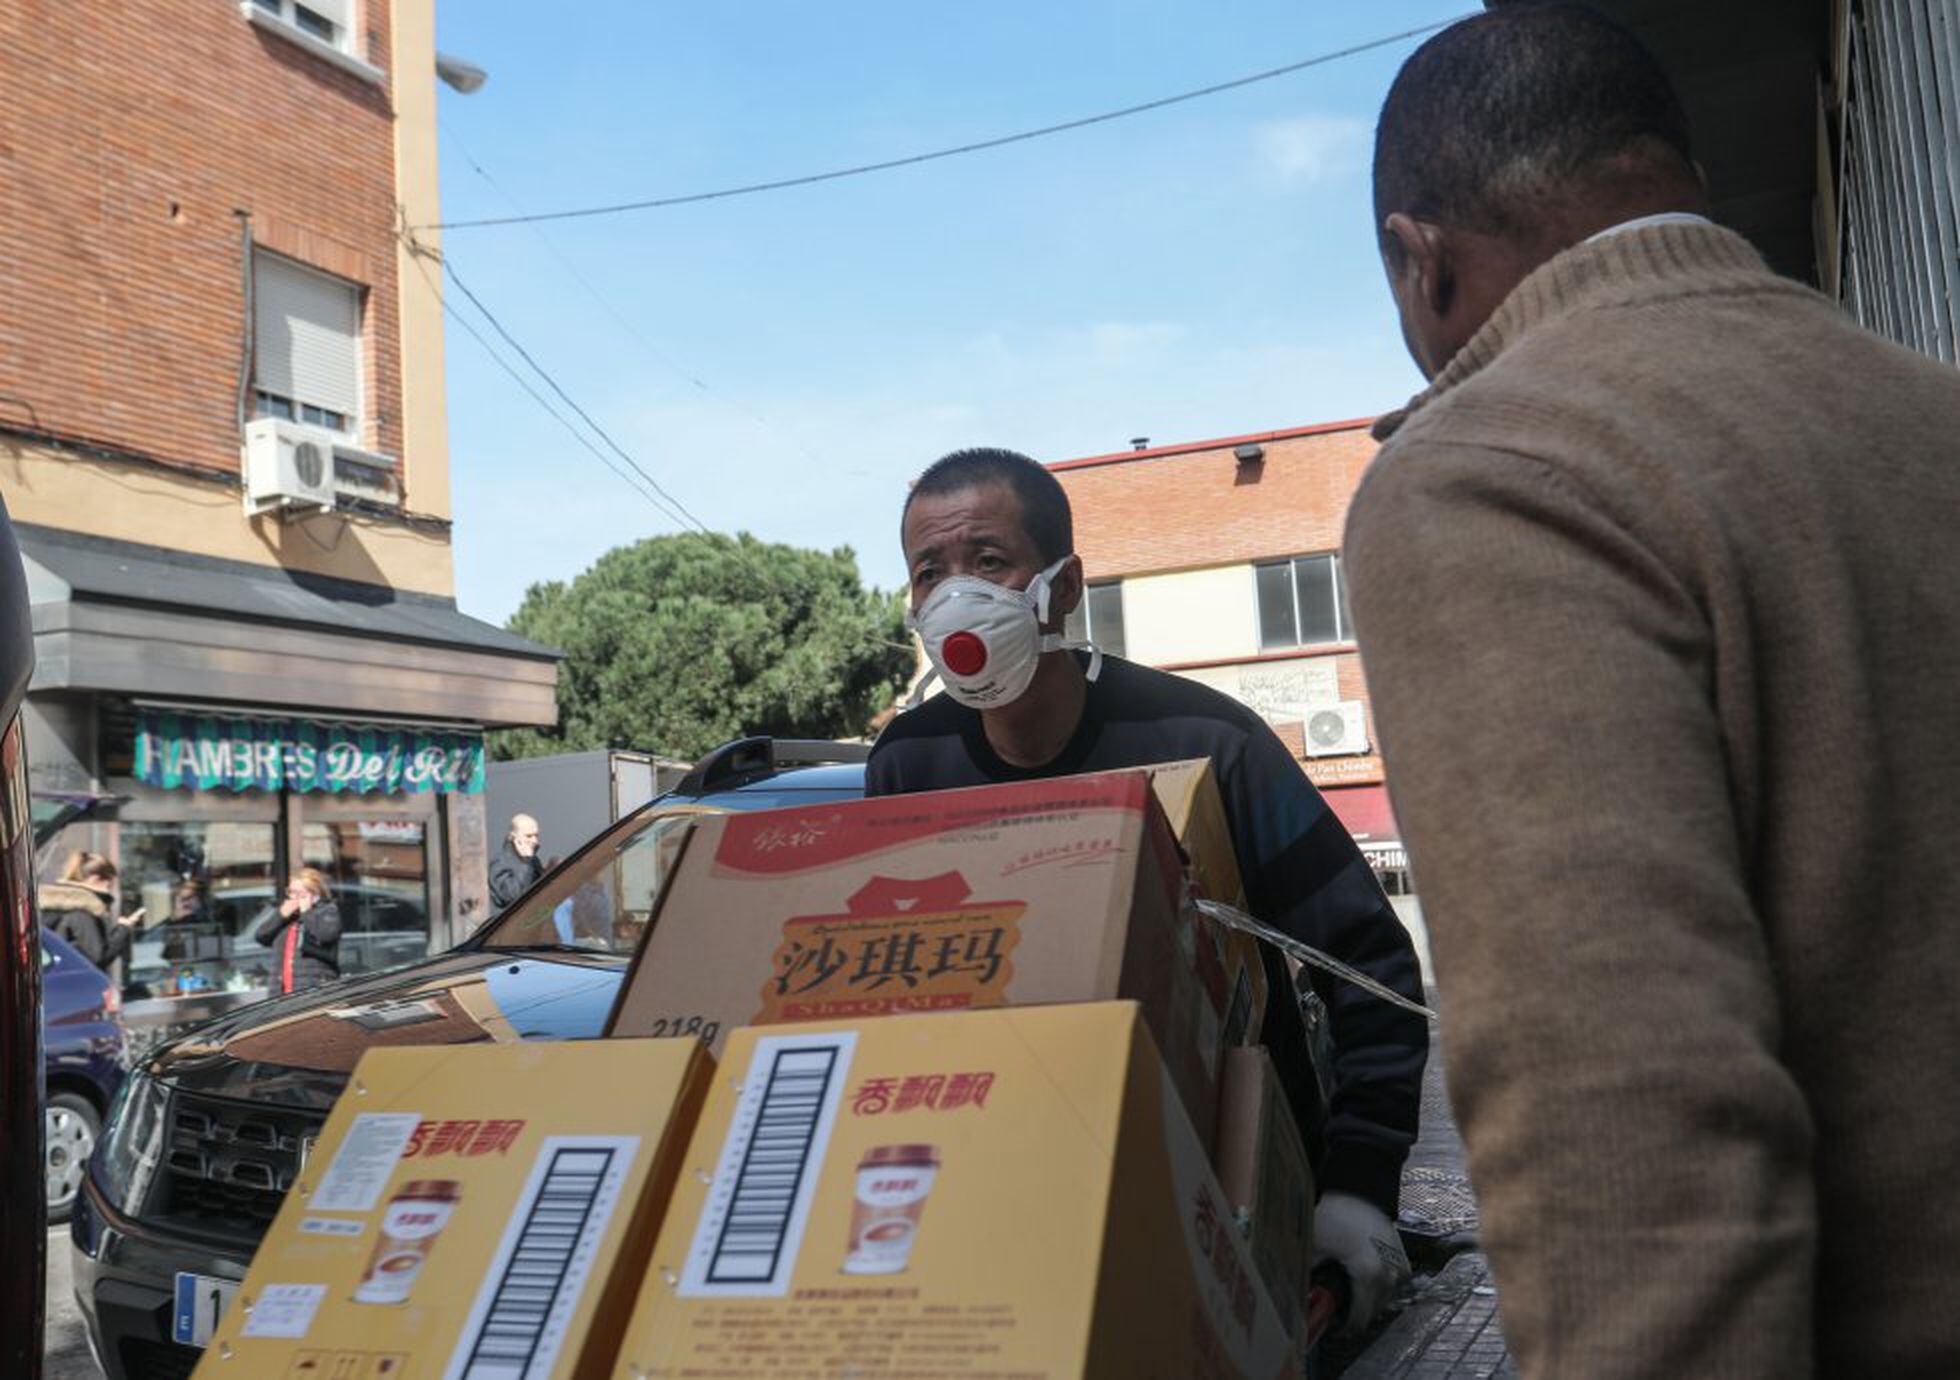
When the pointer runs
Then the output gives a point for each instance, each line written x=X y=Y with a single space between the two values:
x=984 y=640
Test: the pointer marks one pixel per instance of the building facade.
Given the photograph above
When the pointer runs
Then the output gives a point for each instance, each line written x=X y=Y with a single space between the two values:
x=223 y=446
x=1826 y=130
x=1220 y=560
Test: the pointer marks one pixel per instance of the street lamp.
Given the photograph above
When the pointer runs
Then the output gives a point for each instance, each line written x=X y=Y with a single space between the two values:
x=465 y=77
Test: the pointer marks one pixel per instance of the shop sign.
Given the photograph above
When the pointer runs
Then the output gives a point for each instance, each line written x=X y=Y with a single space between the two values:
x=205 y=752
x=1344 y=771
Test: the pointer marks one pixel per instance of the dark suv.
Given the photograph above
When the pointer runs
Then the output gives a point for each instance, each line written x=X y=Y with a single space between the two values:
x=211 y=1130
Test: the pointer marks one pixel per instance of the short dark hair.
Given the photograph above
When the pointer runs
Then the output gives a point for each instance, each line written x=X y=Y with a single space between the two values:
x=1045 y=513
x=1499 y=111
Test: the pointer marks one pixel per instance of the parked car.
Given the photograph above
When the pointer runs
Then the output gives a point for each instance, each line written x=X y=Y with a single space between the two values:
x=380 y=925
x=211 y=1130
x=83 y=1056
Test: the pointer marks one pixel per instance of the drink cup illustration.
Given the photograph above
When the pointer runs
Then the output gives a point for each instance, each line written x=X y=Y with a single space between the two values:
x=892 y=1184
x=410 y=1224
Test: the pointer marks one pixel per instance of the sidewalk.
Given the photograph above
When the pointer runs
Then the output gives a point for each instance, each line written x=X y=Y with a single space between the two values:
x=1450 y=1330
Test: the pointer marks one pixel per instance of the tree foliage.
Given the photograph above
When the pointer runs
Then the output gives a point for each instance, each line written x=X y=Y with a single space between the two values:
x=678 y=643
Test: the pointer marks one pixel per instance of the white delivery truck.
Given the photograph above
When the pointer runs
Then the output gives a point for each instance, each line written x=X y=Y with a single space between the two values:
x=573 y=795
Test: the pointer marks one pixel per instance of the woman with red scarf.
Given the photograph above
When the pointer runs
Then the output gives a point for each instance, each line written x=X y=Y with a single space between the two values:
x=304 y=933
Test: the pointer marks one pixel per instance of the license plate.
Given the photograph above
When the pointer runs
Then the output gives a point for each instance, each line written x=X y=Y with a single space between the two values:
x=201 y=1302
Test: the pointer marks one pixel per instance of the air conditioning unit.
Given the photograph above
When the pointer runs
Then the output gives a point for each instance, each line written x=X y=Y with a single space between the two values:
x=1337 y=730
x=287 y=465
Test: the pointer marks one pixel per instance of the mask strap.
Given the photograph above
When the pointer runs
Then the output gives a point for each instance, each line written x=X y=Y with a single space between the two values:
x=1055 y=642
x=1046 y=580
x=918 y=695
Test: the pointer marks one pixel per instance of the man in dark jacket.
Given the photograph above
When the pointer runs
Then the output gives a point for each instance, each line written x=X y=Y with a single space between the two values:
x=304 y=934
x=517 y=864
x=81 y=908
x=989 y=545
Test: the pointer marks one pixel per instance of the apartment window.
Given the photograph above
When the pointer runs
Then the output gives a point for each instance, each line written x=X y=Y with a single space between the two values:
x=326 y=20
x=1302 y=602
x=306 y=338
x=1099 y=617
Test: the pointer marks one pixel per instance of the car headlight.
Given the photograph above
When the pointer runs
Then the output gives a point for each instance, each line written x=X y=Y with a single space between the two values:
x=131 y=1149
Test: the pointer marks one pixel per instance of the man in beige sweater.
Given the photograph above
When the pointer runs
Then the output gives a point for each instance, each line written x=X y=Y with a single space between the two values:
x=1658 y=589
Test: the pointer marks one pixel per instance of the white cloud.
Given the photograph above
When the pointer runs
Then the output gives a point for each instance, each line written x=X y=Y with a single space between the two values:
x=1314 y=148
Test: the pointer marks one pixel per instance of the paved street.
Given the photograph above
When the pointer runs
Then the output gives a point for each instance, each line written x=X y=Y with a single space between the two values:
x=67 y=1347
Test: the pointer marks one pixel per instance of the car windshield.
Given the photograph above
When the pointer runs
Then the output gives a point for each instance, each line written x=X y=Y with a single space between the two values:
x=601 y=901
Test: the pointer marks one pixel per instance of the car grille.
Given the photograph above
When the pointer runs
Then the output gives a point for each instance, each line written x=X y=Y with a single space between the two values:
x=146 y=1360
x=228 y=1164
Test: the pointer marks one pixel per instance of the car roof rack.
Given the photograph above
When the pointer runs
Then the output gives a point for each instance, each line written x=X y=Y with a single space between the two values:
x=748 y=759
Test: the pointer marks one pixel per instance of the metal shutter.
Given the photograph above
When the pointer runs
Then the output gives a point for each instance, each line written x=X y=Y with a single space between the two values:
x=336 y=10
x=307 y=334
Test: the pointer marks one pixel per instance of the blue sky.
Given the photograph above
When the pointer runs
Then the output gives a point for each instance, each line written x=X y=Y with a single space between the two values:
x=784 y=363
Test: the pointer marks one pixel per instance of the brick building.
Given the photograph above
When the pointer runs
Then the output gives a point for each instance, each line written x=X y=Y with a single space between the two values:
x=223 y=444
x=1220 y=560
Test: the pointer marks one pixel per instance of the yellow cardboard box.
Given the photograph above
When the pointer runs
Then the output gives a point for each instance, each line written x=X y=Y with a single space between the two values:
x=973 y=1195
x=470 y=1211
x=1058 y=890
x=1227 y=961
x=1262 y=1165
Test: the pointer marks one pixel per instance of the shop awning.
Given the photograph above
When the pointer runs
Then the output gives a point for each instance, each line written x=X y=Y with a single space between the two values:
x=1366 y=814
x=123 y=618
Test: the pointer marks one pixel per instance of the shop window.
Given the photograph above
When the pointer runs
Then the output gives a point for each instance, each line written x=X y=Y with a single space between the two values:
x=1099 y=617
x=378 y=871
x=1302 y=602
x=203 y=885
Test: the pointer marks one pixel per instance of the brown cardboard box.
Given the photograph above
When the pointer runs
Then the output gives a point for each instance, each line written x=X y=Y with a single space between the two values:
x=467 y=1205
x=1227 y=961
x=1268 y=1182
x=1061 y=890
x=983 y=1194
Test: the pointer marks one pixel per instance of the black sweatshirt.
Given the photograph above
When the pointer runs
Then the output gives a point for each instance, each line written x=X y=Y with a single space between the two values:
x=1302 y=874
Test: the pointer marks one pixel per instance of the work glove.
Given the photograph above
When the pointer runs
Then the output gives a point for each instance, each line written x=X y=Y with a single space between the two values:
x=1357 y=1236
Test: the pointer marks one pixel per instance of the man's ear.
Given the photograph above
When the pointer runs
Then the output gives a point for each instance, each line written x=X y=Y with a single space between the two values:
x=1064 y=593
x=1421 y=263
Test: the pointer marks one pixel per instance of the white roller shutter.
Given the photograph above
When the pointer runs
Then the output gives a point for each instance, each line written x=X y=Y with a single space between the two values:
x=306 y=334
x=339 y=11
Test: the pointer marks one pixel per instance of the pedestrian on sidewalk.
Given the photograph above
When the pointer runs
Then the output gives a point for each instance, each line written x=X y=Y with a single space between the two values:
x=1658 y=588
x=517 y=864
x=82 y=908
x=304 y=933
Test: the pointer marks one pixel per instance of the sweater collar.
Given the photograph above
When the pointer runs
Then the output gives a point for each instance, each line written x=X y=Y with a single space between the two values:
x=1640 y=263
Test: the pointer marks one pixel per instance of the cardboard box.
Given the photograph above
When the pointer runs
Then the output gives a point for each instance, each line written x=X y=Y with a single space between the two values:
x=1268 y=1181
x=1059 y=890
x=980 y=1195
x=470 y=1210
x=1227 y=961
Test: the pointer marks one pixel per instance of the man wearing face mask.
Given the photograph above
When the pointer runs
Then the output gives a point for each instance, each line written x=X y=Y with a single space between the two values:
x=989 y=544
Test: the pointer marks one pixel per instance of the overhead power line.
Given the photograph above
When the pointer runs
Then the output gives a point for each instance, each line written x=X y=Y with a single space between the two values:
x=497 y=358
x=1000 y=141
x=673 y=505
x=620 y=319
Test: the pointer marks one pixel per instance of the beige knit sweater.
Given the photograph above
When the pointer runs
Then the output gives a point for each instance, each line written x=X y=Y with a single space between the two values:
x=1658 y=590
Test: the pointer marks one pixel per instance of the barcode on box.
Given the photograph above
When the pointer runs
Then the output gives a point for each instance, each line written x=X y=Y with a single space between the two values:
x=528 y=1296
x=752 y=1224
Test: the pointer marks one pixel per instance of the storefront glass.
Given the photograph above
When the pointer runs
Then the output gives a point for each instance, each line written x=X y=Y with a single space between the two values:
x=378 y=870
x=202 y=885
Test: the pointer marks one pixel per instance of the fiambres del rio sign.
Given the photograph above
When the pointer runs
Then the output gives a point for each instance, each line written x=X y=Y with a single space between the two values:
x=208 y=752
